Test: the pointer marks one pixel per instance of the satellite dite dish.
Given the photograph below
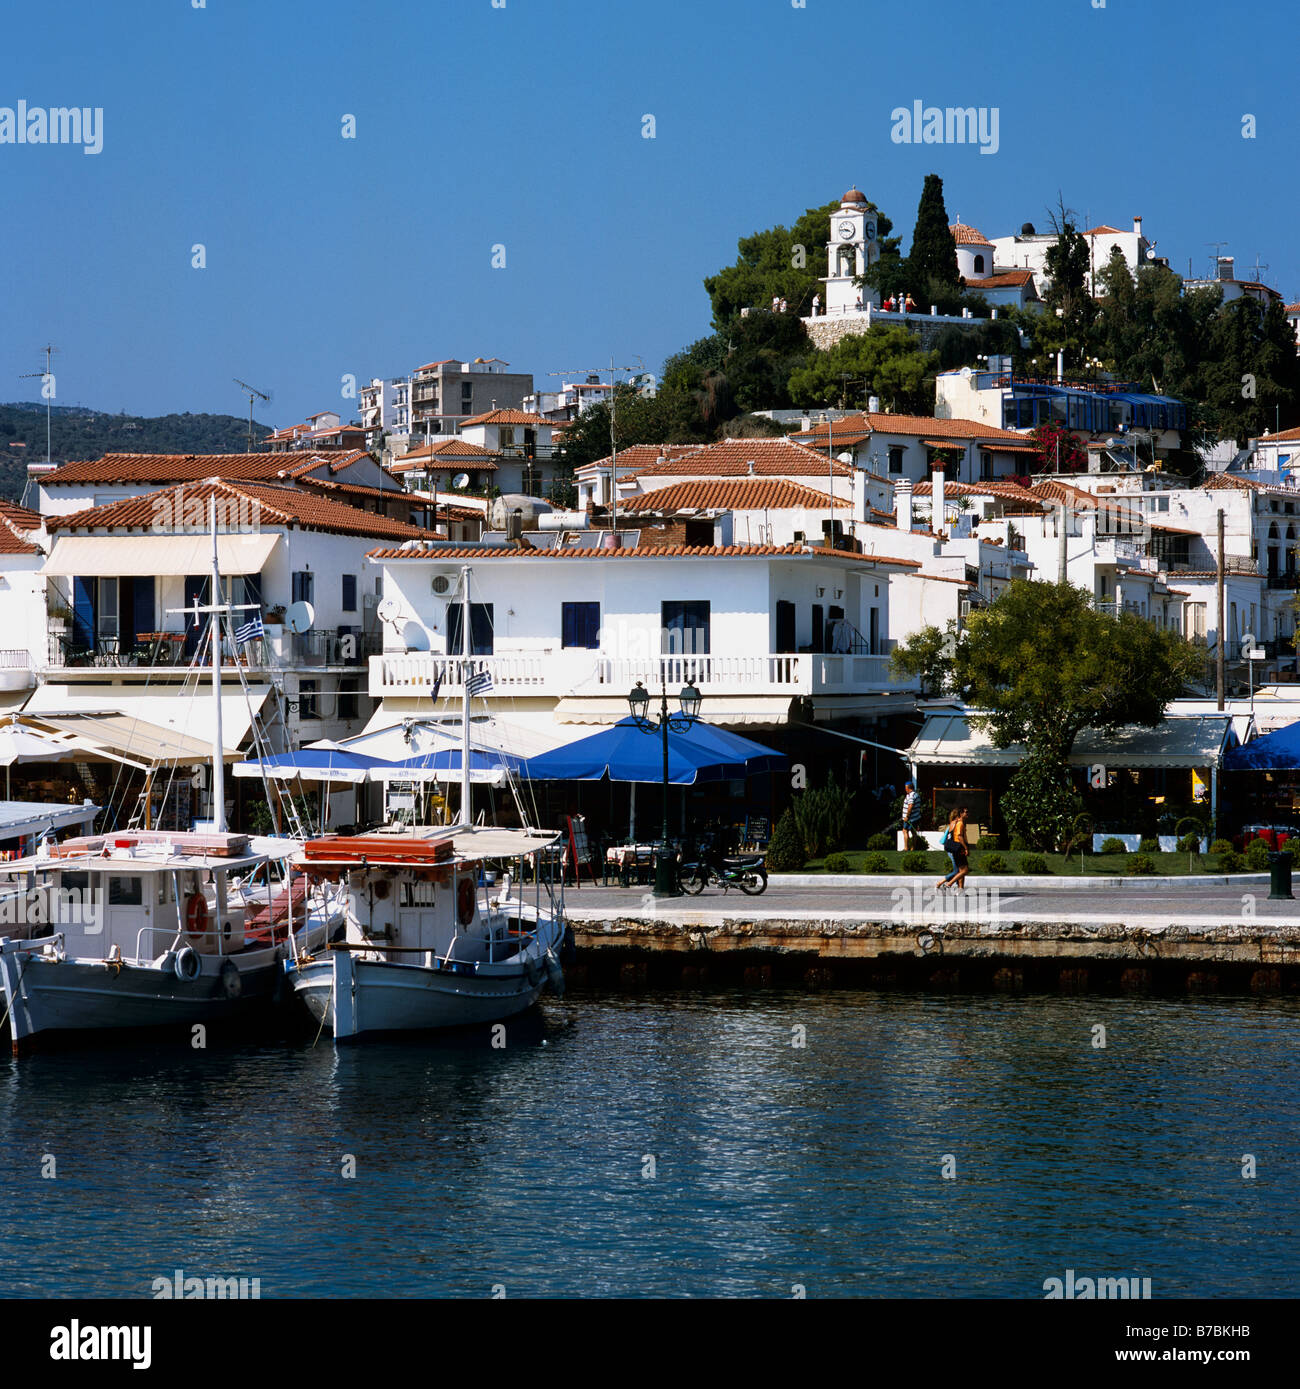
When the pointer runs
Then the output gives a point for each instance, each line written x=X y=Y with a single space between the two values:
x=388 y=609
x=460 y=481
x=414 y=637
x=300 y=617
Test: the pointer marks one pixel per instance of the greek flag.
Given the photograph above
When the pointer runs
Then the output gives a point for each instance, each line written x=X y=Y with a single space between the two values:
x=479 y=683
x=250 y=630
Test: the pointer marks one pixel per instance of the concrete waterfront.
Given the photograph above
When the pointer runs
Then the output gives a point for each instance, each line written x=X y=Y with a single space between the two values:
x=1177 y=935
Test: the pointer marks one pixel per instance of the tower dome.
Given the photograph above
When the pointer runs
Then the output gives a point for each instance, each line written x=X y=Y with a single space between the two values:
x=853 y=198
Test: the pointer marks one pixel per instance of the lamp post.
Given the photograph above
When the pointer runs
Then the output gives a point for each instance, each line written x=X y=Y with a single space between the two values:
x=638 y=701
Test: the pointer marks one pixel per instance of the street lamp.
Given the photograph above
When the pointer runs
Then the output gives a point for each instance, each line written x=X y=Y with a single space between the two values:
x=638 y=701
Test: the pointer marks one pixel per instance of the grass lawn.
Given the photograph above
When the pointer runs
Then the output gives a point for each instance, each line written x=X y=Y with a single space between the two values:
x=1094 y=865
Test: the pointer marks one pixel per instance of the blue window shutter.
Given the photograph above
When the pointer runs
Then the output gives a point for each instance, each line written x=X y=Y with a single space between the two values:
x=83 y=611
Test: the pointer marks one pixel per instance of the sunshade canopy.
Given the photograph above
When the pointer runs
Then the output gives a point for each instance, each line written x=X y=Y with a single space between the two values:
x=1274 y=752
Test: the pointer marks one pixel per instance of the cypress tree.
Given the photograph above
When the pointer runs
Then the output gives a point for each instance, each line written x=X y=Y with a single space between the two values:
x=933 y=257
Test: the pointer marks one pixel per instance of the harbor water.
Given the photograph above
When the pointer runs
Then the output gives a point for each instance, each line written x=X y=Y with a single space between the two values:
x=714 y=1144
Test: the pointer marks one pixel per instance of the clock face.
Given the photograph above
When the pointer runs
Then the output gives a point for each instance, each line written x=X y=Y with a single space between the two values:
x=870 y=232
x=846 y=231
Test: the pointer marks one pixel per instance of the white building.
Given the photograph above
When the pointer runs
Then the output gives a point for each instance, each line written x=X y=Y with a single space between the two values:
x=23 y=546
x=1028 y=251
x=385 y=409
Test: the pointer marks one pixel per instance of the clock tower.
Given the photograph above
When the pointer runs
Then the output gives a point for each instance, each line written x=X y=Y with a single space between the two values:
x=853 y=246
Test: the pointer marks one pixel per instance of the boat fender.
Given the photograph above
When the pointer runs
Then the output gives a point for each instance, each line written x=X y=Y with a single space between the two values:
x=187 y=964
x=232 y=985
x=465 y=901
x=196 y=915
x=555 y=974
x=569 y=947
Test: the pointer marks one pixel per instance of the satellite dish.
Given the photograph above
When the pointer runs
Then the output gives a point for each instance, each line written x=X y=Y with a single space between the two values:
x=414 y=637
x=300 y=617
x=967 y=373
x=460 y=481
x=388 y=609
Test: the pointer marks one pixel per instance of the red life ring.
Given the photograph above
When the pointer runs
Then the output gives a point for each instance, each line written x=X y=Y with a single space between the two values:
x=465 y=901
x=196 y=915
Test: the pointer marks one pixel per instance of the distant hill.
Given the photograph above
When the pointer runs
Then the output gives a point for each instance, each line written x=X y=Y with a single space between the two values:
x=77 y=433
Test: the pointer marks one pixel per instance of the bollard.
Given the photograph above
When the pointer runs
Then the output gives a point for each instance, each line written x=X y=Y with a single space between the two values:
x=1279 y=877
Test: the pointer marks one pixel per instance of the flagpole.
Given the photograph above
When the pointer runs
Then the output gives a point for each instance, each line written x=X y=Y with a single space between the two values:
x=465 y=807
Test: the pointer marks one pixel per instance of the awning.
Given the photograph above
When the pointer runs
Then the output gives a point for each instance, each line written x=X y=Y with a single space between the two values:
x=158 y=554
x=18 y=818
x=1278 y=751
x=161 y=726
x=946 y=739
x=769 y=711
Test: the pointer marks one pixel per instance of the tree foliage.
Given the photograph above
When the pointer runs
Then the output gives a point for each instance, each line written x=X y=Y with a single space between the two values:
x=886 y=361
x=1059 y=451
x=1041 y=805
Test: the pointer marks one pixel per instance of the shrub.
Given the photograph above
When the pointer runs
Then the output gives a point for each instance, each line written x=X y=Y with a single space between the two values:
x=822 y=815
x=990 y=842
x=1019 y=843
x=1148 y=846
x=837 y=863
x=1112 y=846
x=875 y=863
x=915 y=862
x=1221 y=846
x=1190 y=843
x=994 y=863
x=1230 y=861
x=1257 y=852
x=1034 y=863
x=1139 y=863
x=785 y=853
x=881 y=841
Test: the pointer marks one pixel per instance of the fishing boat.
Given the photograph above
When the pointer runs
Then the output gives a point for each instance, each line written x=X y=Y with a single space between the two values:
x=145 y=928
x=446 y=926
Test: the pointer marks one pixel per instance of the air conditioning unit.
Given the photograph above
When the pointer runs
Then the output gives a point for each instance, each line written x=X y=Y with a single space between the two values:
x=441 y=583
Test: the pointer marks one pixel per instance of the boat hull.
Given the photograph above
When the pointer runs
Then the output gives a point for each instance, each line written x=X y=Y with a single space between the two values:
x=48 y=995
x=355 y=997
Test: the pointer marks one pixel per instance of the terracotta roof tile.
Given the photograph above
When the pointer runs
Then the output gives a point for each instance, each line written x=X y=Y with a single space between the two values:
x=730 y=494
x=1006 y=279
x=505 y=417
x=15 y=524
x=444 y=553
x=968 y=236
x=869 y=421
x=192 y=467
x=171 y=509
x=637 y=457
x=732 y=458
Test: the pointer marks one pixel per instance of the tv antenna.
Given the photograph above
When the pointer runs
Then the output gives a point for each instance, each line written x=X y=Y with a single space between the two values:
x=589 y=372
x=1258 y=268
x=250 y=392
x=1216 y=247
x=47 y=381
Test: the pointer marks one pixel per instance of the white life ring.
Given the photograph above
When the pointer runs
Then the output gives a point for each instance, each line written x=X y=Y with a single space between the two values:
x=187 y=964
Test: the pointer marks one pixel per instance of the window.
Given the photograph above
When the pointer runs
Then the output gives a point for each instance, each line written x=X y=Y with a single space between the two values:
x=106 y=615
x=896 y=459
x=506 y=437
x=684 y=627
x=986 y=465
x=307 y=699
x=532 y=481
x=979 y=265
x=125 y=892
x=580 y=625
x=480 y=629
x=349 y=593
x=348 y=697
x=303 y=586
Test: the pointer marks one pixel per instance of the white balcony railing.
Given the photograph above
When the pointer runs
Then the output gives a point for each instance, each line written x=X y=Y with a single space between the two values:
x=564 y=674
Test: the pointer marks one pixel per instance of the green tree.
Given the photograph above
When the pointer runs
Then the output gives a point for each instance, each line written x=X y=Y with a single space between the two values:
x=932 y=259
x=1043 y=665
x=1253 y=376
x=886 y=361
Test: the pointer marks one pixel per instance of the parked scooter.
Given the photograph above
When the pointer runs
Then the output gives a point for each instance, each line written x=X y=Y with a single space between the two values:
x=712 y=868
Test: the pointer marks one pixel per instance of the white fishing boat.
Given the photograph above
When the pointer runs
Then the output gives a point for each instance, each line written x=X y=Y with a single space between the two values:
x=447 y=926
x=145 y=928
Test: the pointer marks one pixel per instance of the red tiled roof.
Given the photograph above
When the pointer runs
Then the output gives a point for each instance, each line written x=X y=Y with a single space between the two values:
x=192 y=467
x=445 y=553
x=1286 y=436
x=505 y=417
x=952 y=488
x=1102 y=230
x=730 y=494
x=868 y=421
x=15 y=522
x=732 y=457
x=968 y=236
x=169 y=510
x=1293 y=308
x=1007 y=279
x=640 y=456
x=1232 y=482
x=446 y=361
x=395 y=492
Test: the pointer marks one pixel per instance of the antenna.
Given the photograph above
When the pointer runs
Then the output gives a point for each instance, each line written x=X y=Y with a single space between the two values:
x=47 y=380
x=1216 y=247
x=250 y=392
x=1258 y=268
x=613 y=445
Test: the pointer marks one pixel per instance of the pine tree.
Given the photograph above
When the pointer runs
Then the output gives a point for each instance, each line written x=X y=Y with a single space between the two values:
x=932 y=261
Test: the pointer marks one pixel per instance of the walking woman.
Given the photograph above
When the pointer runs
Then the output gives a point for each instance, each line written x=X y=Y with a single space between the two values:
x=957 y=848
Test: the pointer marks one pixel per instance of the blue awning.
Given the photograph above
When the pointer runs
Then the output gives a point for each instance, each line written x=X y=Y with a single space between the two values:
x=626 y=753
x=1274 y=752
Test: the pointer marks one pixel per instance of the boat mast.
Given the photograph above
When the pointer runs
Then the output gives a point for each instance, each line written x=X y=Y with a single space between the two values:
x=218 y=744
x=465 y=807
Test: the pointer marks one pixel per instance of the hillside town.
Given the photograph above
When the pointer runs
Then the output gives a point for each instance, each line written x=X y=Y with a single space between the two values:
x=776 y=572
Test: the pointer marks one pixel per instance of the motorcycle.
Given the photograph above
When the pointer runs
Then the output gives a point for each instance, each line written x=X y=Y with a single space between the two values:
x=748 y=872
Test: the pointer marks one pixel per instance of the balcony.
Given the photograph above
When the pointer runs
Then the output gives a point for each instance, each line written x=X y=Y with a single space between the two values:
x=578 y=674
x=1289 y=580
x=16 y=671
x=163 y=651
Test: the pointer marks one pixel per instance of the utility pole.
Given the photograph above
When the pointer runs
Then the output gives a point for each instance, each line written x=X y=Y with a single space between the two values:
x=250 y=391
x=1222 y=635
x=613 y=445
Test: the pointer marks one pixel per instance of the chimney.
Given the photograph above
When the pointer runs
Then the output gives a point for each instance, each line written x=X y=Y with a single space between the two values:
x=873 y=405
x=1137 y=226
x=903 y=503
x=749 y=467
x=1225 y=267
x=936 y=501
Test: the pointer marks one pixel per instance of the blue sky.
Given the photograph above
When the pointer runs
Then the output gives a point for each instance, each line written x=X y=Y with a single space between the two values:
x=522 y=126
